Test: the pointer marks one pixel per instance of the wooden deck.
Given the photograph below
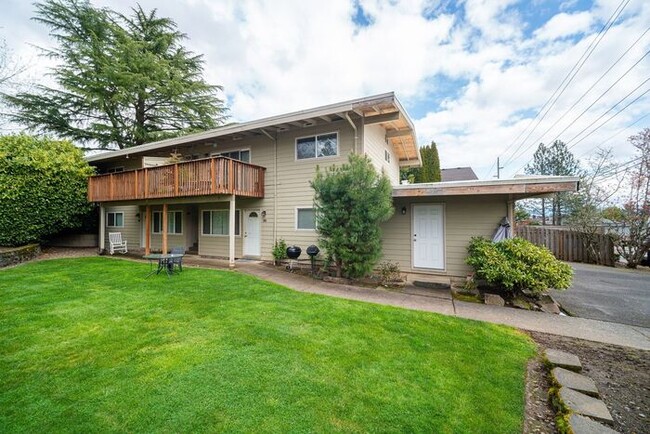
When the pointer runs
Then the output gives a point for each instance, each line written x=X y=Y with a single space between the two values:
x=210 y=176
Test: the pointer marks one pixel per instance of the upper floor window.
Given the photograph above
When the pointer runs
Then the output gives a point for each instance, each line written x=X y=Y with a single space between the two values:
x=322 y=145
x=115 y=169
x=115 y=219
x=241 y=155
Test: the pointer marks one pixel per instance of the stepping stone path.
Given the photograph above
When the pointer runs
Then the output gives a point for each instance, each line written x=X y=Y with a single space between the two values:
x=574 y=394
x=578 y=382
x=584 y=425
x=564 y=360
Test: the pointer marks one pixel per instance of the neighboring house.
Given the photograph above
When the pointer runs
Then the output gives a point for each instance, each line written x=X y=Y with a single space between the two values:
x=254 y=177
x=457 y=174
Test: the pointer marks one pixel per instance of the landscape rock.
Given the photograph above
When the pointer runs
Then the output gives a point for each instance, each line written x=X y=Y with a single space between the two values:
x=585 y=405
x=572 y=380
x=563 y=360
x=521 y=303
x=494 y=300
x=584 y=425
x=548 y=305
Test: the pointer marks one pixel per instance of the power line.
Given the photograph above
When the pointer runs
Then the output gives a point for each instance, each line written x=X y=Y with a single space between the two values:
x=572 y=73
x=616 y=134
x=601 y=116
x=588 y=90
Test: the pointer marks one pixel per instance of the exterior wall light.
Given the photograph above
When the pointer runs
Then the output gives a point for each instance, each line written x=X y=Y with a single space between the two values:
x=403 y=210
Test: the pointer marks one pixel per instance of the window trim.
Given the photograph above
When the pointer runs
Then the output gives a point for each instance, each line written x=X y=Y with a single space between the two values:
x=298 y=208
x=168 y=212
x=227 y=210
x=114 y=214
x=220 y=154
x=315 y=136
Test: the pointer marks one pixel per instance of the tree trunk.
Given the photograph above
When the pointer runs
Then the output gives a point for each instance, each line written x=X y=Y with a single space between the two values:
x=139 y=136
x=543 y=212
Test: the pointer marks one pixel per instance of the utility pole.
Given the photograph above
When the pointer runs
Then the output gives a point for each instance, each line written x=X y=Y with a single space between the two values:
x=499 y=167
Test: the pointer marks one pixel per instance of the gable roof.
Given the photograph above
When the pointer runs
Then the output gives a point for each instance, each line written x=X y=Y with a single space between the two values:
x=457 y=174
x=383 y=109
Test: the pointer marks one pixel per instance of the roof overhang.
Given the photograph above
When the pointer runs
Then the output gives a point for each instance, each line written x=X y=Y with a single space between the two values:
x=383 y=109
x=516 y=188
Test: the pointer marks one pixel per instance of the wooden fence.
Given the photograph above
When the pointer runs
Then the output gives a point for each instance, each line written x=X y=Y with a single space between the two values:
x=571 y=245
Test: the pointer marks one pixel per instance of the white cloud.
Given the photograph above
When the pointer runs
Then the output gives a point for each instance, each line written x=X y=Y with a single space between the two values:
x=277 y=56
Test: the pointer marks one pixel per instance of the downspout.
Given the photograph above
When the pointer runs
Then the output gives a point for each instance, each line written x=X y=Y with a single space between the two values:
x=356 y=133
x=275 y=182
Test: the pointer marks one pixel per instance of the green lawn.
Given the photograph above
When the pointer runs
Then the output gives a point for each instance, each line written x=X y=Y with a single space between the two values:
x=90 y=345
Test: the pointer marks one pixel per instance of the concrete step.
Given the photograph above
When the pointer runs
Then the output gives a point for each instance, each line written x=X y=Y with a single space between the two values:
x=585 y=405
x=575 y=381
x=563 y=360
x=584 y=425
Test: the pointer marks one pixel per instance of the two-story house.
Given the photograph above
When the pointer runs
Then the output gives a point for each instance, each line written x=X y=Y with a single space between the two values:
x=233 y=191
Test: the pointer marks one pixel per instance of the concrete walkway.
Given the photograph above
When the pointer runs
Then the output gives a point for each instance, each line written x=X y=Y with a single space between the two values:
x=440 y=301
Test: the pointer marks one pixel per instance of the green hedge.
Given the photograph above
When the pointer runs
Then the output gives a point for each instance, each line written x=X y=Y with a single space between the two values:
x=43 y=188
x=516 y=264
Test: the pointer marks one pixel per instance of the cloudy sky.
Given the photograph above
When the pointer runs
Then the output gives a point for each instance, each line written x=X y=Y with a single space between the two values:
x=472 y=74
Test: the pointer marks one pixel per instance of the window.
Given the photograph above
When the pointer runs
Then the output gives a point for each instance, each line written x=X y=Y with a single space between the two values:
x=216 y=222
x=174 y=222
x=324 y=145
x=387 y=156
x=242 y=155
x=305 y=219
x=115 y=219
x=115 y=169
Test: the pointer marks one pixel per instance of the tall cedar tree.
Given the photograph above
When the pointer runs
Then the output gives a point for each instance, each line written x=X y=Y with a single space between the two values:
x=122 y=80
x=559 y=161
x=351 y=201
x=430 y=170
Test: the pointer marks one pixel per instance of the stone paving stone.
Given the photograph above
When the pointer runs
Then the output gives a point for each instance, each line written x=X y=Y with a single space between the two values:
x=572 y=380
x=585 y=405
x=564 y=360
x=584 y=425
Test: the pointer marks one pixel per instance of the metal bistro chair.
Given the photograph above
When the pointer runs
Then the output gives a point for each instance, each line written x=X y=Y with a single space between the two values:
x=177 y=261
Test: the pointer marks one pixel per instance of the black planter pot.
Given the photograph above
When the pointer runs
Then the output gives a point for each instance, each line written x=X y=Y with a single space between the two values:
x=293 y=252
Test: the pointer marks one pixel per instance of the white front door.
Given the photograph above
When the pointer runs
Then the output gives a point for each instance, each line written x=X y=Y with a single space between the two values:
x=428 y=236
x=252 y=233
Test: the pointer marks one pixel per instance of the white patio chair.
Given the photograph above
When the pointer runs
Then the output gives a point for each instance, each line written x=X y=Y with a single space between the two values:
x=115 y=243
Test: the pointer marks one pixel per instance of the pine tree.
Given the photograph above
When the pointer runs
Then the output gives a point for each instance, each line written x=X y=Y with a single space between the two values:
x=351 y=201
x=555 y=160
x=122 y=80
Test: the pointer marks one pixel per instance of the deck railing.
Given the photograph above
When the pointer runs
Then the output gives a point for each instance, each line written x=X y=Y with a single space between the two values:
x=217 y=175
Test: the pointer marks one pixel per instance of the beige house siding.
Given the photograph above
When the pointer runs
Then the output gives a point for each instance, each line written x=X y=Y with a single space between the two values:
x=465 y=217
x=375 y=146
x=131 y=230
x=292 y=191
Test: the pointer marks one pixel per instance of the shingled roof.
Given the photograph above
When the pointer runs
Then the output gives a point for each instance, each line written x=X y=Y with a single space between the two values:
x=458 y=174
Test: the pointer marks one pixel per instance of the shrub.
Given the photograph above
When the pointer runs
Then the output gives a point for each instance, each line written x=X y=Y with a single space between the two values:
x=517 y=264
x=279 y=251
x=43 y=186
x=389 y=273
x=351 y=201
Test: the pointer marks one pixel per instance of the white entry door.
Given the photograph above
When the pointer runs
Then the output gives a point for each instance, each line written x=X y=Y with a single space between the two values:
x=428 y=236
x=252 y=233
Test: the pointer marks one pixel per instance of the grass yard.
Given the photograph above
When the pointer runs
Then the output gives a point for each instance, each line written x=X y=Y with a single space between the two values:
x=90 y=345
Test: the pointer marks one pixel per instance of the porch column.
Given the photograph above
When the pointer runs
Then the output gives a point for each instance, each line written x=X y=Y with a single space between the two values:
x=164 y=228
x=102 y=228
x=231 y=233
x=147 y=230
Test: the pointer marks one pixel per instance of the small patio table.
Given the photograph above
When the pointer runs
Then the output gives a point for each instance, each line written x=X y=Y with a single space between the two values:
x=165 y=262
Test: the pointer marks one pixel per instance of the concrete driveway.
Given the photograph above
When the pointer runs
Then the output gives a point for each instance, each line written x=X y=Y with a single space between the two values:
x=608 y=294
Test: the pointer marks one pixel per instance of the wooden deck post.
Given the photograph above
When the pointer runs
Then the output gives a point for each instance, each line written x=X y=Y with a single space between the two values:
x=147 y=228
x=102 y=228
x=164 y=228
x=231 y=233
